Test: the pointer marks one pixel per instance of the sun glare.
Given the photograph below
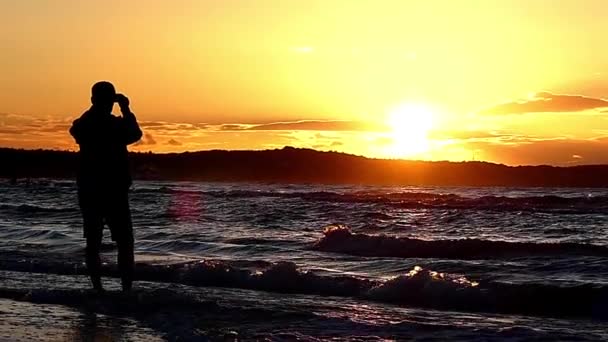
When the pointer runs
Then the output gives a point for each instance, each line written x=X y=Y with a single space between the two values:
x=410 y=124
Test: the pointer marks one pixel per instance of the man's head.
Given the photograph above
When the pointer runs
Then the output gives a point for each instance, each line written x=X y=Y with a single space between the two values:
x=103 y=95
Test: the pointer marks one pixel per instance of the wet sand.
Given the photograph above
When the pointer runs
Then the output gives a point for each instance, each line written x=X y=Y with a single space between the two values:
x=24 y=321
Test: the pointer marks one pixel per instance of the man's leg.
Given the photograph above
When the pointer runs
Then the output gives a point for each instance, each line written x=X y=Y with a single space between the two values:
x=126 y=261
x=93 y=232
x=119 y=221
x=93 y=260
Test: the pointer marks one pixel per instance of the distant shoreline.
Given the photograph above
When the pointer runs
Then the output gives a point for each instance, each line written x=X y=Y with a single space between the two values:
x=295 y=165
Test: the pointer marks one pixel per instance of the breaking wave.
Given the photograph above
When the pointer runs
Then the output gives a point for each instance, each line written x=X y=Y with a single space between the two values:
x=419 y=287
x=340 y=239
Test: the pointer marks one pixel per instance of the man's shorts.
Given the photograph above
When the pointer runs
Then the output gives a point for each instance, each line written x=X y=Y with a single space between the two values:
x=105 y=207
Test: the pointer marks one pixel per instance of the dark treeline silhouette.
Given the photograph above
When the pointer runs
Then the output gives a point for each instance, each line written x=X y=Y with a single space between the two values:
x=294 y=165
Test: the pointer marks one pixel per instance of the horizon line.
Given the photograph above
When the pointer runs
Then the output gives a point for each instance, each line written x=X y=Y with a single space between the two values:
x=318 y=151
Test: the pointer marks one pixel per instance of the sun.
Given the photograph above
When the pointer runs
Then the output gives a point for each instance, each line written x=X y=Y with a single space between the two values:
x=410 y=124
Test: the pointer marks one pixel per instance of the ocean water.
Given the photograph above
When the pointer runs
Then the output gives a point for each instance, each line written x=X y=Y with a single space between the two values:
x=313 y=262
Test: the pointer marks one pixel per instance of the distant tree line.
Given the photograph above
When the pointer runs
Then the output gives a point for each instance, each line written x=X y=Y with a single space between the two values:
x=294 y=165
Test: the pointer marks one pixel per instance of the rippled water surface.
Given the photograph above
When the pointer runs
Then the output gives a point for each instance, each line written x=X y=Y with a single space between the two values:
x=319 y=261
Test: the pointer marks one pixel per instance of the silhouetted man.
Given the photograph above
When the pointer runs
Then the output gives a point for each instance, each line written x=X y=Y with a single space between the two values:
x=104 y=178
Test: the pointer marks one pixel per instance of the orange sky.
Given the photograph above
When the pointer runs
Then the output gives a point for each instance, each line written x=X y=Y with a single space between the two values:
x=516 y=82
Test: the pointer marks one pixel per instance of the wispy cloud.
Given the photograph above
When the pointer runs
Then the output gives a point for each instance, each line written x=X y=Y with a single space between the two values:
x=318 y=125
x=34 y=132
x=304 y=125
x=547 y=102
x=172 y=126
x=146 y=140
x=509 y=146
x=534 y=150
x=174 y=142
x=233 y=127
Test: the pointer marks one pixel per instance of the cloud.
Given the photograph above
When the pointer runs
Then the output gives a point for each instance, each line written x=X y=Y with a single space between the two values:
x=12 y=130
x=466 y=134
x=315 y=125
x=152 y=124
x=300 y=125
x=496 y=137
x=56 y=128
x=30 y=131
x=304 y=125
x=508 y=146
x=547 y=102
x=148 y=139
x=27 y=131
x=174 y=142
x=234 y=127
x=171 y=126
x=542 y=151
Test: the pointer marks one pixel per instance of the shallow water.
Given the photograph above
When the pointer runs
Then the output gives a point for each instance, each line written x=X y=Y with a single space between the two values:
x=393 y=263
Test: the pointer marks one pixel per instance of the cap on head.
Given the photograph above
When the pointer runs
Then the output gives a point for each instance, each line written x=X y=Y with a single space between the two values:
x=103 y=93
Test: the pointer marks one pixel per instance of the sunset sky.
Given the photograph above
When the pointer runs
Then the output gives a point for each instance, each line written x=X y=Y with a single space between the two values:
x=508 y=81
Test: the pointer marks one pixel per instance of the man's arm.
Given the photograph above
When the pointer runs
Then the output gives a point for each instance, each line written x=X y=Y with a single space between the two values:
x=78 y=130
x=132 y=132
